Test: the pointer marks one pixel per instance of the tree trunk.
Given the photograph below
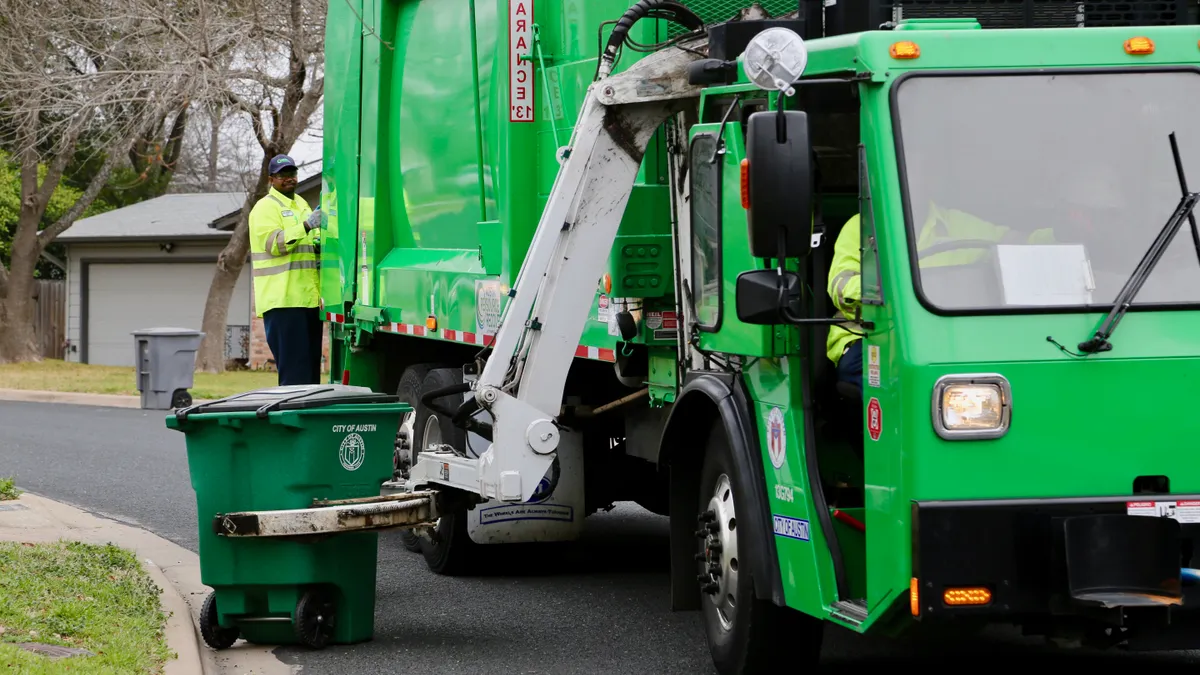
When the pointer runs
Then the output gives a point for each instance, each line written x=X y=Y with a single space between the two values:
x=211 y=356
x=214 y=148
x=18 y=337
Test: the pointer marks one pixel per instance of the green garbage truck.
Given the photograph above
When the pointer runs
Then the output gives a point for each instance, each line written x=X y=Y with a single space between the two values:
x=887 y=305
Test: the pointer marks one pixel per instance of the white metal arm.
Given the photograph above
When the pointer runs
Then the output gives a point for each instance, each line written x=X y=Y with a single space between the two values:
x=522 y=383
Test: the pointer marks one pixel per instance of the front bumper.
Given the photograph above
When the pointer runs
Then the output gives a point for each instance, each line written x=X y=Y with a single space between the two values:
x=1046 y=557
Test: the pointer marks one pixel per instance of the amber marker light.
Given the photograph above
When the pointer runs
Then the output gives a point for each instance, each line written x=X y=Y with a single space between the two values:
x=960 y=597
x=905 y=49
x=1139 y=45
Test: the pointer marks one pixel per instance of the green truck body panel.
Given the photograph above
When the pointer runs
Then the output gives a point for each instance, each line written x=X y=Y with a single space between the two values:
x=439 y=194
x=449 y=189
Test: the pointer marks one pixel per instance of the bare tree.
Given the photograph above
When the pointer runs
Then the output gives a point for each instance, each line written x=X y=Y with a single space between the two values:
x=77 y=75
x=280 y=103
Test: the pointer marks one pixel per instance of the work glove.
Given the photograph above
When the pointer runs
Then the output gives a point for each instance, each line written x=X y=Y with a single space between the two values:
x=314 y=220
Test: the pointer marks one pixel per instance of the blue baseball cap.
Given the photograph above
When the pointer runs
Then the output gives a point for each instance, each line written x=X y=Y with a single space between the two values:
x=279 y=163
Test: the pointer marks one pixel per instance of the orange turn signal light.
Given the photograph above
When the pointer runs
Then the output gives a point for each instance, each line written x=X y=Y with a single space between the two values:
x=431 y=322
x=1139 y=45
x=606 y=284
x=745 y=184
x=958 y=597
x=904 y=50
x=914 y=598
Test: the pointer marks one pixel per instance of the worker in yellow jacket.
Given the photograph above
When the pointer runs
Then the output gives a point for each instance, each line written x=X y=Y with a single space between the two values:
x=844 y=344
x=283 y=255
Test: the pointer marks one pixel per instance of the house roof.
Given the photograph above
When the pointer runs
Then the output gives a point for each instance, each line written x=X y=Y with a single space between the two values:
x=173 y=216
x=227 y=221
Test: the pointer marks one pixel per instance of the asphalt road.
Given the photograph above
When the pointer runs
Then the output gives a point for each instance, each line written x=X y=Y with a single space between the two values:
x=601 y=609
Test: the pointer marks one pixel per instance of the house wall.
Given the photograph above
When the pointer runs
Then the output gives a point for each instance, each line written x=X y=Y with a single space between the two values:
x=259 y=353
x=118 y=251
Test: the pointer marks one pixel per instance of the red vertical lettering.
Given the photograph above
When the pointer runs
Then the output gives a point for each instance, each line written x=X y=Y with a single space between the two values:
x=520 y=93
x=521 y=25
x=522 y=75
x=521 y=43
x=521 y=8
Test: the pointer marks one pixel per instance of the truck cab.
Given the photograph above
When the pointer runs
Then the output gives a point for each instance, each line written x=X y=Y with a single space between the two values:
x=996 y=456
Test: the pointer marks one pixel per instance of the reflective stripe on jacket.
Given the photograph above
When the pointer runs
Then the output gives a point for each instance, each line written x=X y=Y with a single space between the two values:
x=845 y=282
x=283 y=256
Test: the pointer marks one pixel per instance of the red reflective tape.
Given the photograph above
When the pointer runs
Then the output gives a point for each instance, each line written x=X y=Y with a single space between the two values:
x=608 y=355
x=449 y=334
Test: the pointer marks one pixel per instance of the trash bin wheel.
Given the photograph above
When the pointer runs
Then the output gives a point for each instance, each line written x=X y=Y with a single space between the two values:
x=316 y=618
x=214 y=635
x=181 y=398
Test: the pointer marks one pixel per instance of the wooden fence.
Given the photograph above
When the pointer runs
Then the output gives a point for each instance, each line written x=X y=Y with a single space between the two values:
x=50 y=316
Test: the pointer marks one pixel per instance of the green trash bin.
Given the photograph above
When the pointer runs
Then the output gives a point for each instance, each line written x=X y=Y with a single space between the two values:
x=282 y=448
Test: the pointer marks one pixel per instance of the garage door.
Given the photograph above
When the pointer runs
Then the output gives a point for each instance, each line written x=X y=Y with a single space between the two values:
x=124 y=297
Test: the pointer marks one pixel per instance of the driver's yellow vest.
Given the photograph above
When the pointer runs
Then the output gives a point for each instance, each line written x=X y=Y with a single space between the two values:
x=942 y=225
x=283 y=257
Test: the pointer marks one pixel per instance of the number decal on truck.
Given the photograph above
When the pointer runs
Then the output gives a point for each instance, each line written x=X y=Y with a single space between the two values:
x=520 y=70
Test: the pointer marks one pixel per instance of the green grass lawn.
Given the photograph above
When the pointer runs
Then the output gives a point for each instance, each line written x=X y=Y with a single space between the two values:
x=52 y=375
x=8 y=489
x=80 y=595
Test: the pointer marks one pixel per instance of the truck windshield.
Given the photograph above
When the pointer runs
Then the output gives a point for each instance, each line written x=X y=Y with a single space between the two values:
x=1046 y=189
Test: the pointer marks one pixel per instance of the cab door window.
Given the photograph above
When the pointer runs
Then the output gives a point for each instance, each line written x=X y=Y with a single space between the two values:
x=705 y=173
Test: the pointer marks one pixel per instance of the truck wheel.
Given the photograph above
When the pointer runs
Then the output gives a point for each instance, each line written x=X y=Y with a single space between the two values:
x=448 y=550
x=745 y=634
x=409 y=392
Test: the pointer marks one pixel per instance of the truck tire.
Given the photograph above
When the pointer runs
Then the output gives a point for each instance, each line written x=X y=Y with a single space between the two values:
x=448 y=550
x=745 y=634
x=409 y=391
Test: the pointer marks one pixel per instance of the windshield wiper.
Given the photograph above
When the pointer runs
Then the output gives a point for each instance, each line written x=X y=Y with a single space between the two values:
x=1099 y=341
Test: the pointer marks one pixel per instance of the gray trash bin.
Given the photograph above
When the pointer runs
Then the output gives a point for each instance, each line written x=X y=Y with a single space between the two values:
x=165 y=360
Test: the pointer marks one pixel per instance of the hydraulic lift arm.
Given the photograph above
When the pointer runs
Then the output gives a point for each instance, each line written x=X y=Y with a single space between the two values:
x=523 y=380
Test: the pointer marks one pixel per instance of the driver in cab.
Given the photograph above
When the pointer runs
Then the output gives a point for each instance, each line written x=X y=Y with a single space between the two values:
x=947 y=238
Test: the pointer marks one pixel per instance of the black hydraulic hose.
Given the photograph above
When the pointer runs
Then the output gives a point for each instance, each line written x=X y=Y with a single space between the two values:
x=463 y=419
x=460 y=416
x=427 y=399
x=667 y=9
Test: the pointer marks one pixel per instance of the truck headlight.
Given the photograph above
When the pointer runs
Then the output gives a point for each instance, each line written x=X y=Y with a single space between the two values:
x=973 y=406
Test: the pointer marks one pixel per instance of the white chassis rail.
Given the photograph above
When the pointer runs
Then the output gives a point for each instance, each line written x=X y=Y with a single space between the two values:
x=522 y=383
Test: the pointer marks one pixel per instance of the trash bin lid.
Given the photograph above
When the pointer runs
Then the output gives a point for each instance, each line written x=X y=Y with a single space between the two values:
x=296 y=397
x=166 y=331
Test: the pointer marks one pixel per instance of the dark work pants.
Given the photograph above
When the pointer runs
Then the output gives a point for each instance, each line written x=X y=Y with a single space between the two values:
x=294 y=336
x=850 y=366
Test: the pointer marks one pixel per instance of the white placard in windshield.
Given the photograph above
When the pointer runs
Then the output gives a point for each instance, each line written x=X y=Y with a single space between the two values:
x=1045 y=275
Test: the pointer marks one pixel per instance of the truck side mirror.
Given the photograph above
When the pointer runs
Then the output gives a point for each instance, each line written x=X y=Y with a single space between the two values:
x=758 y=298
x=780 y=184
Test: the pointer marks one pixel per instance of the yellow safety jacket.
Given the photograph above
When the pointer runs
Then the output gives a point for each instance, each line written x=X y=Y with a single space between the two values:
x=283 y=256
x=845 y=282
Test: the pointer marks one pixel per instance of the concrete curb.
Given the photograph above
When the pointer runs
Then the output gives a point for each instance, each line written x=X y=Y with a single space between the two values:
x=102 y=400
x=180 y=629
x=174 y=569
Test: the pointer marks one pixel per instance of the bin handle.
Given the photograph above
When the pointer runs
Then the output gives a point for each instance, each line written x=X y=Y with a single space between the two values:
x=266 y=409
x=182 y=413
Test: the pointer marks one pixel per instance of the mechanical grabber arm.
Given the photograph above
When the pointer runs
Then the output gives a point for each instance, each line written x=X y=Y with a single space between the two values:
x=522 y=382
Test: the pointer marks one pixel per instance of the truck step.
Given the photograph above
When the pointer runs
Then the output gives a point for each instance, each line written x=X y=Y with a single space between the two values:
x=415 y=509
x=851 y=611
